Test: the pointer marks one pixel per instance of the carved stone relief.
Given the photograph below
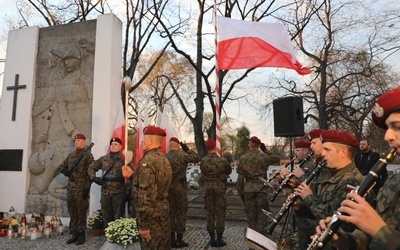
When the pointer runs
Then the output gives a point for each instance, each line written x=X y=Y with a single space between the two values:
x=61 y=109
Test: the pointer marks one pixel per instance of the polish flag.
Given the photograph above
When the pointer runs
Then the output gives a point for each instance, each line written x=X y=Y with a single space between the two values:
x=139 y=135
x=119 y=126
x=163 y=122
x=245 y=44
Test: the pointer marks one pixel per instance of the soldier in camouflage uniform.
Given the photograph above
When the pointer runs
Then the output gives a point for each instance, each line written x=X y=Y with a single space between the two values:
x=78 y=189
x=252 y=165
x=114 y=191
x=177 y=194
x=215 y=170
x=305 y=226
x=377 y=229
x=151 y=182
x=330 y=188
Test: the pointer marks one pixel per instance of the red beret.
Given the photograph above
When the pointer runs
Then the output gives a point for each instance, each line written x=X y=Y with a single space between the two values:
x=153 y=130
x=255 y=139
x=80 y=136
x=210 y=144
x=302 y=144
x=174 y=139
x=384 y=106
x=115 y=139
x=339 y=136
x=316 y=133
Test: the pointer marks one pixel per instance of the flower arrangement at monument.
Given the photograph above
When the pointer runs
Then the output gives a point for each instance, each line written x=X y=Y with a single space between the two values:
x=95 y=220
x=122 y=231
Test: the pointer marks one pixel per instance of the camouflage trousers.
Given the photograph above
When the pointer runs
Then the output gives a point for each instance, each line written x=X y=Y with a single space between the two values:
x=305 y=228
x=215 y=203
x=112 y=207
x=77 y=209
x=254 y=203
x=160 y=233
x=178 y=204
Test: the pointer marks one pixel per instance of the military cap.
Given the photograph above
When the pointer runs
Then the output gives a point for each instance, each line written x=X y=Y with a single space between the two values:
x=174 y=139
x=210 y=144
x=255 y=139
x=80 y=136
x=315 y=133
x=115 y=139
x=153 y=130
x=339 y=136
x=386 y=104
x=302 y=144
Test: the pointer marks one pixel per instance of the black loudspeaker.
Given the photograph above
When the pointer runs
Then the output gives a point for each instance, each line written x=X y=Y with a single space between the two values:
x=288 y=116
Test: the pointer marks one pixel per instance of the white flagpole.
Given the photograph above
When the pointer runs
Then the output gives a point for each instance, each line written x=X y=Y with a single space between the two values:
x=128 y=153
x=217 y=89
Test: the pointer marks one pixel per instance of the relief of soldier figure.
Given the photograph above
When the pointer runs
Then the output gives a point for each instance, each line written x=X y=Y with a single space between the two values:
x=62 y=109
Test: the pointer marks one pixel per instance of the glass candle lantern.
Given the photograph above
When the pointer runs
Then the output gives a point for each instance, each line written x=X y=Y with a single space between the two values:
x=47 y=232
x=23 y=233
x=34 y=234
x=10 y=232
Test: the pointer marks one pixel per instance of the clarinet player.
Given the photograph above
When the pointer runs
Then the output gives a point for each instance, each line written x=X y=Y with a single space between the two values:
x=377 y=229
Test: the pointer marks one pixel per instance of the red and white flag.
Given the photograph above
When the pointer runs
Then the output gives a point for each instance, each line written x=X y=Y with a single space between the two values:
x=119 y=126
x=163 y=122
x=139 y=135
x=245 y=44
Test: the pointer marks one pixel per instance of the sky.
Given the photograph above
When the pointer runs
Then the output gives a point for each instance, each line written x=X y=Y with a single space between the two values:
x=241 y=113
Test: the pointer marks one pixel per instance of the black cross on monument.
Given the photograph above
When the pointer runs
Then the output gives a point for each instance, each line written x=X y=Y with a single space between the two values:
x=15 y=88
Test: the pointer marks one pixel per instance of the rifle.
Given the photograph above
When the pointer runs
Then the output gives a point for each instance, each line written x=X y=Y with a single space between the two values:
x=79 y=158
x=101 y=181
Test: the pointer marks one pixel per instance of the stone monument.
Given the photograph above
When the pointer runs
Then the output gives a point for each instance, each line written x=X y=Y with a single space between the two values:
x=67 y=80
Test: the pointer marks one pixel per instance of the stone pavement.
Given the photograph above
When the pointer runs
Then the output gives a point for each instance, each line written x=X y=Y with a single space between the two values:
x=196 y=235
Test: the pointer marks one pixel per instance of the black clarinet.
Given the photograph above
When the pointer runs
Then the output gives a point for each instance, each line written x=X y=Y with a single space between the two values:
x=290 y=176
x=275 y=174
x=272 y=176
x=363 y=189
x=289 y=204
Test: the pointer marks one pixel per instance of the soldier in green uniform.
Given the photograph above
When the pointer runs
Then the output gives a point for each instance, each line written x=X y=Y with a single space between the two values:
x=377 y=229
x=151 y=182
x=114 y=191
x=327 y=191
x=215 y=170
x=177 y=194
x=252 y=165
x=78 y=189
x=305 y=226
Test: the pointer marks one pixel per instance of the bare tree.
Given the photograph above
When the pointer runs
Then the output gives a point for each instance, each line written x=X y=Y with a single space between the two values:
x=202 y=59
x=348 y=75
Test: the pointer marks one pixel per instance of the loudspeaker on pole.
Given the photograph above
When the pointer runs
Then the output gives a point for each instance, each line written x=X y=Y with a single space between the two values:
x=288 y=116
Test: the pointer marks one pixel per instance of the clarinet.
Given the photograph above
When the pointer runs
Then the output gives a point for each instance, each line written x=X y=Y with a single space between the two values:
x=272 y=176
x=275 y=174
x=290 y=176
x=363 y=189
x=289 y=204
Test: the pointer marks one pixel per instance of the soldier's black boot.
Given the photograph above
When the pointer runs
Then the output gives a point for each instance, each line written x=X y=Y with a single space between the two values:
x=173 y=240
x=81 y=238
x=73 y=238
x=220 y=242
x=179 y=242
x=212 y=238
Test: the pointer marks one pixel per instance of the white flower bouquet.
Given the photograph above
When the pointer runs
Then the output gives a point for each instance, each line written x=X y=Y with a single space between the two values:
x=122 y=231
x=95 y=220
